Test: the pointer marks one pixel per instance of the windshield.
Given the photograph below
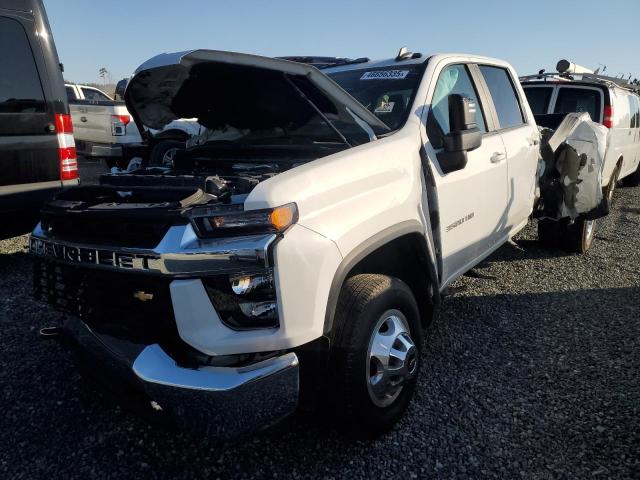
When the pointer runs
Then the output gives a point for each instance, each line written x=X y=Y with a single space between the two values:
x=386 y=92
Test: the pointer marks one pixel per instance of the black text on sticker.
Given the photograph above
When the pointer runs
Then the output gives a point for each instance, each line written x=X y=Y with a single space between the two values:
x=385 y=75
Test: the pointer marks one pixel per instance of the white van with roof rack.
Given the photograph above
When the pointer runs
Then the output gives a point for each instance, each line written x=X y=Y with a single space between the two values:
x=611 y=101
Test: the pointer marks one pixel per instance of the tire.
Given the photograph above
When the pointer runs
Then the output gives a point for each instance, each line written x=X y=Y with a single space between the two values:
x=161 y=154
x=578 y=236
x=611 y=188
x=382 y=308
x=549 y=233
x=632 y=180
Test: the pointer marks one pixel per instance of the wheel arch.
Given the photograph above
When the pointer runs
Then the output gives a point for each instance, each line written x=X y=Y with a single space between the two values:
x=172 y=134
x=400 y=251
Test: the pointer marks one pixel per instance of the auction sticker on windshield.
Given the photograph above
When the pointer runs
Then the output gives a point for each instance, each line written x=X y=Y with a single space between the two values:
x=385 y=75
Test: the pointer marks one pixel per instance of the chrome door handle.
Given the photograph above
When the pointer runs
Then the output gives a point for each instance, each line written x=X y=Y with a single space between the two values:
x=497 y=157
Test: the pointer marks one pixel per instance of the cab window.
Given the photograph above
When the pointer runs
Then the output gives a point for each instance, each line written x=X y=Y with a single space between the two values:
x=20 y=88
x=454 y=79
x=94 y=95
x=503 y=95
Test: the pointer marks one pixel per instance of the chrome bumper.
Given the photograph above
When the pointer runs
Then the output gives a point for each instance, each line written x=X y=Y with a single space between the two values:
x=224 y=402
x=180 y=253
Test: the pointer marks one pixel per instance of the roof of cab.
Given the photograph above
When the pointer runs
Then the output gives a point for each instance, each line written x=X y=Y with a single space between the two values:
x=394 y=62
x=388 y=62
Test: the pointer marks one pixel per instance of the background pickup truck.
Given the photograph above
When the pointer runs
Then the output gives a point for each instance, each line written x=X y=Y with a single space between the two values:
x=294 y=254
x=103 y=127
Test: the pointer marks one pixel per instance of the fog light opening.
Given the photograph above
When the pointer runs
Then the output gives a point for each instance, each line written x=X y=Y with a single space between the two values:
x=244 y=284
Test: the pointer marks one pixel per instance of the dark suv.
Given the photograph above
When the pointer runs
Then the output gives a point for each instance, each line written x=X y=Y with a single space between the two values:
x=37 y=150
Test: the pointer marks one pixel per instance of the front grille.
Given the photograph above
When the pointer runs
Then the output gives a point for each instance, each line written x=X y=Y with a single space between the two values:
x=133 y=307
x=122 y=232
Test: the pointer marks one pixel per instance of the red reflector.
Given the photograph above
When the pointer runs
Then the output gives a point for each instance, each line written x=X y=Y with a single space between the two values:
x=123 y=119
x=63 y=123
x=607 y=121
x=68 y=163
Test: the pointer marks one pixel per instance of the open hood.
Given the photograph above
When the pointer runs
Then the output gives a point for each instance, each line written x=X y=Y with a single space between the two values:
x=242 y=91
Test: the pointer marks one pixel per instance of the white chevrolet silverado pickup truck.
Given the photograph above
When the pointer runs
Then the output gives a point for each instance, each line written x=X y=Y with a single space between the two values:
x=294 y=254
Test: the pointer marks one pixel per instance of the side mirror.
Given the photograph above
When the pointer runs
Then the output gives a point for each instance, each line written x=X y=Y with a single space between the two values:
x=464 y=134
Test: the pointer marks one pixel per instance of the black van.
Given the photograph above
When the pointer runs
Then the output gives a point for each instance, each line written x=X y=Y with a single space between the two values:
x=37 y=150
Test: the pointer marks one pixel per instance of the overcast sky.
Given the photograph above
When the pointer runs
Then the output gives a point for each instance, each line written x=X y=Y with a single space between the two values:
x=120 y=34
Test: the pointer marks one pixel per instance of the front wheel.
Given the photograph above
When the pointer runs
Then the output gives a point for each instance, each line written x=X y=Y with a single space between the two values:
x=163 y=153
x=376 y=355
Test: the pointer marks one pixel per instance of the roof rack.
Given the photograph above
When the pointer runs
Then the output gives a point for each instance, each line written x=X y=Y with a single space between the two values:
x=588 y=77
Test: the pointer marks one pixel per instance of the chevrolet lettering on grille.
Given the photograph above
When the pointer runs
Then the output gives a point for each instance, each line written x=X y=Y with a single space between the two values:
x=89 y=256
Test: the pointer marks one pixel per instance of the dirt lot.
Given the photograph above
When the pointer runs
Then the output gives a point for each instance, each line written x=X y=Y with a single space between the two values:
x=532 y=371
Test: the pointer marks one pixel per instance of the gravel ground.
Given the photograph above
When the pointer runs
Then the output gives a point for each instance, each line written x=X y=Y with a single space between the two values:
x=532 y=374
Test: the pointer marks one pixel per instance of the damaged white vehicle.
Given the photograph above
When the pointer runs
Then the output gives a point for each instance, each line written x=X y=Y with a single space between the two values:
x=293 y=256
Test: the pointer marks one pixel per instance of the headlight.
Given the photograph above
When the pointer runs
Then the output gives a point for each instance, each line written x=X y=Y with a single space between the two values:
x=273 y=220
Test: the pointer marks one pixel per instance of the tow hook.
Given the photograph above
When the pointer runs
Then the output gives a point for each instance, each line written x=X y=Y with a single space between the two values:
x=50 y=332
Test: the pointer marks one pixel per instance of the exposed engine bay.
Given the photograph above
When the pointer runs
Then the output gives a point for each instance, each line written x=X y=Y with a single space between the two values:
x=136 y=207
x=203 y=175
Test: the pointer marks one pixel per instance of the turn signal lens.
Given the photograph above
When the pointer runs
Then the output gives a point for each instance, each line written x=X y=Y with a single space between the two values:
x=282 y=217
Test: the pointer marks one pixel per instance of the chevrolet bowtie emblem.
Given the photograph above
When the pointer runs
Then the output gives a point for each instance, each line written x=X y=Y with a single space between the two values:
x=143 y=296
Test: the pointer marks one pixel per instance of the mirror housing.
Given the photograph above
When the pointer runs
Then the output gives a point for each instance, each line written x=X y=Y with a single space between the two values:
x=464 y=134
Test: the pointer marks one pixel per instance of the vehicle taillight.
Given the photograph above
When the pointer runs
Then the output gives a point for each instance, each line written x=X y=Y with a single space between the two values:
x=119 y=125
x=608 y=116
x=66 y=148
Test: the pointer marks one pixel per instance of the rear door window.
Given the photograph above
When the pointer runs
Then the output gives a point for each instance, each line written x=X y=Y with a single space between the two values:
x=20 y=88
x=71 y=94
x=454 y=79
x=633 y=111
x=573 y=99
x=538 y=98
x=504 y=96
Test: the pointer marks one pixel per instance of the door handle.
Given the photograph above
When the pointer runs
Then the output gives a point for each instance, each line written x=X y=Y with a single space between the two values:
x=497 y=157
x=533 y=142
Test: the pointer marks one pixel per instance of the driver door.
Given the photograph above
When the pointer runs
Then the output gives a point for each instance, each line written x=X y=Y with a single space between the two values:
x=472 y=202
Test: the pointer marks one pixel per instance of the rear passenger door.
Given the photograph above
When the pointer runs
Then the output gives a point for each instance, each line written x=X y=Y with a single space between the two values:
x=28 y=144
x=471 y=200
x=521 y=139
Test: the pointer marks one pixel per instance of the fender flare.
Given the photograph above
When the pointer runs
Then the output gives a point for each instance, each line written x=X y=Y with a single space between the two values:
x=362 y=251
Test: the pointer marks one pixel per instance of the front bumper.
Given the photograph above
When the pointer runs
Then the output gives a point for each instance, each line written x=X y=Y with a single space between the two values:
x=224 y=402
